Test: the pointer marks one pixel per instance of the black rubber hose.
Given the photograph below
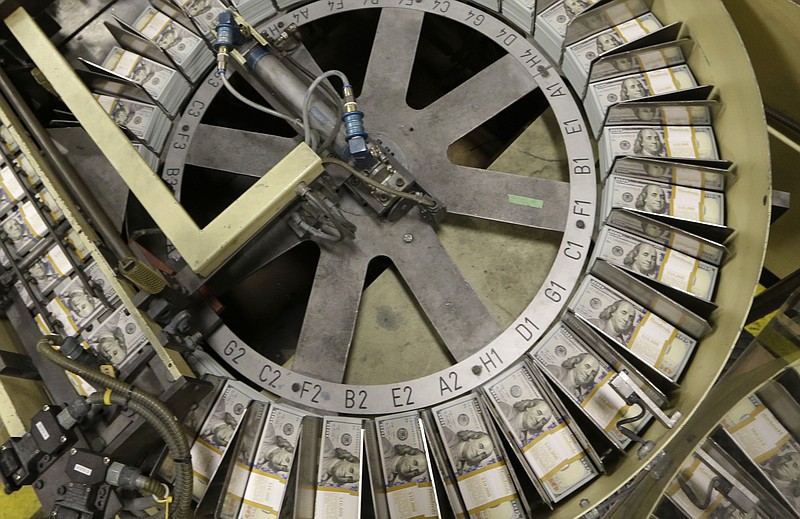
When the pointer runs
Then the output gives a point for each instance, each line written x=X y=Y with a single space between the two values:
x=782 y=118
x=182 y=489
x=148 y=407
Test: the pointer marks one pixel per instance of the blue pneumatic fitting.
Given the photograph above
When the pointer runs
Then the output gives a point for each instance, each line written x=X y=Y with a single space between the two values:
x=354 y=132
x=354 y=124
x=228 y=36
x=228 y=33
x=355 y=135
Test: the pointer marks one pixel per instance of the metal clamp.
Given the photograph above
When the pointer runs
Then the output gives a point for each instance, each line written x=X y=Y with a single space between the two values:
x=738 y=494
x=633 y=394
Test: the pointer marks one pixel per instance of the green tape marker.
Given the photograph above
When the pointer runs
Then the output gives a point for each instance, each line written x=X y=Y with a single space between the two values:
x=524 y=200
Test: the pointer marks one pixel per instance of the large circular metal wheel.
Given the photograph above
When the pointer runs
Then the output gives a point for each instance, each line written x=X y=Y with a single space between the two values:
x=451 y=305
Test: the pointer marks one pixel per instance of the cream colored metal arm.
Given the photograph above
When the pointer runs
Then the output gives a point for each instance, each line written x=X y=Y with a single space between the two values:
x=204 y=249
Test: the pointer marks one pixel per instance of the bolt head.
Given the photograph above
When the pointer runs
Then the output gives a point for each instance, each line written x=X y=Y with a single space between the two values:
x=46 y=408
x=73 y=452
x=17 y=477
x=357 y=147
x=62 y=439
x=408 y=238
x=399 y=182
x=106 y=460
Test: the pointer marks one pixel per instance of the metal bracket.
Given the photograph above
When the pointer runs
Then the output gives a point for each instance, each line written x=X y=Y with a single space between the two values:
x=204 y=249
x=739 y=495
x=632 y=394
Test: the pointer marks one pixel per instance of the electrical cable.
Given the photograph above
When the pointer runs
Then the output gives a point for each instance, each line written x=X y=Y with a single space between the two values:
x=253 y=104
x=148 y=406
x=310 y=229
x=333 y=217
x=420 y=199
x=307 y=100
x=332 y=96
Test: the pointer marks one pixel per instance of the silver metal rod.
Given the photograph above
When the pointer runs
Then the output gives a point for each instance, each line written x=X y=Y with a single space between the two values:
x=66 y=172
x=280 y=79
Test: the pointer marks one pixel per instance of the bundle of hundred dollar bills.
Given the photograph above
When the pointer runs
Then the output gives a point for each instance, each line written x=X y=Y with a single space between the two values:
x=539 y=433
x=667 y=235
x=634 y=327
x=603 y=94
x=274 y=458
x=685 y=203
x=8 y=141
x=23 y=227
x=476 y=459
x=218 y=431
x=579 y=56
x=655 y=261
x=340 y=468
x=689 y=175
x=551 y=25
x=11 y=190
x=406 y=473
x=28 y=171
x=685 y=142
x=585 y=377
x=145 y=122
x=769 y=444
x=186 y=49
x=50 y=269
x=521 y=13
x=164 y=84
x=204 y=14
x=117 y=338
x=254 y=11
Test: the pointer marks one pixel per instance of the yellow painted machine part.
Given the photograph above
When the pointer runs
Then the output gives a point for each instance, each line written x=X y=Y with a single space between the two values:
x=719 y=59
x=771 y=31
x=204 y=249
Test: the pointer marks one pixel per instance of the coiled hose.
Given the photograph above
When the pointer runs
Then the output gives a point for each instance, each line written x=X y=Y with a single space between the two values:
x=152 y=410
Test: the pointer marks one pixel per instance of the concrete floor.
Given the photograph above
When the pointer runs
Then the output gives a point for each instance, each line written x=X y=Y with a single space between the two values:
x=20 y=505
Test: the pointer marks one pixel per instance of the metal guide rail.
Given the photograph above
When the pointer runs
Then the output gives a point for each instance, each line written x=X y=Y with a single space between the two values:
x=563 y=387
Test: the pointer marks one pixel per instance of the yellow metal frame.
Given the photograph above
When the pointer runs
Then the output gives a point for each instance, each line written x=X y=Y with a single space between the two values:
x=204 y=249
x=172 y=361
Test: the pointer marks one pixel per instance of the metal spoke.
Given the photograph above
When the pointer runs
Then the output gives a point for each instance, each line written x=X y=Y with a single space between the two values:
x=503 y=197
x=275 y=240
x=237 y=151
x=330 y=317
x=452 y=307
x=475 y=101
x=392 y=58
